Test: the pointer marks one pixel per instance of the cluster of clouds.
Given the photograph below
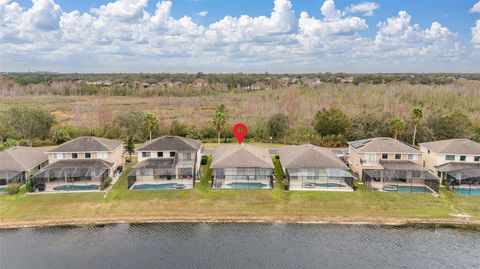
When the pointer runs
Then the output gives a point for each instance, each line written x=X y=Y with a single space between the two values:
x=124 y=36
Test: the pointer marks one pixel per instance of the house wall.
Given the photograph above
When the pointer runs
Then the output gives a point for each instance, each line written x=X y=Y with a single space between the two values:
x=356 y=160
x=115 y=156
x=432 y=159
x=180 y=155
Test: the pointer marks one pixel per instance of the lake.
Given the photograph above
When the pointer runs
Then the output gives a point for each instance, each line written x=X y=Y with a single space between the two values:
x=238 y=245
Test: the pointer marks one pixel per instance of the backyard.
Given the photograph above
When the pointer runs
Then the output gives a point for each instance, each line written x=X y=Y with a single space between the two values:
x=204 y=204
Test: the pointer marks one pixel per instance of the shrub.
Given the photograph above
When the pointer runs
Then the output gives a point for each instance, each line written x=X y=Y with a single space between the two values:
x=204 y=160
x=29 y=186
x=13 y=188
x=106 y=182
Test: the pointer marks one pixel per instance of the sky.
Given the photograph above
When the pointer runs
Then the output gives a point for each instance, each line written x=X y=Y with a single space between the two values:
x=276 y=36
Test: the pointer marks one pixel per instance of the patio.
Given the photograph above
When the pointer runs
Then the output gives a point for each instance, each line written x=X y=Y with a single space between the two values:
x=161 y=171
x=319 y=179
x=242 y=178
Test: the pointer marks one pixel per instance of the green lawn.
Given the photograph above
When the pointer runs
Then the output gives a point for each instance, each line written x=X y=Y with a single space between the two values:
x=204 y=203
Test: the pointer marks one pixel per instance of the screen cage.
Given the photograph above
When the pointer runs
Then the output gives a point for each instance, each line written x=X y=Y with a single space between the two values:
x=410 y=181
x=242 y=177
x=327 y=178
x=464 y=182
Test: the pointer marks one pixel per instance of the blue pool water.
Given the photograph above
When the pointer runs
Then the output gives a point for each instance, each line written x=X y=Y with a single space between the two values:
x=415 y=189
x=247 y=185
x=76 y=188
x=165 y=186
x=330 y=185
x=467 y=191
x=2 y=189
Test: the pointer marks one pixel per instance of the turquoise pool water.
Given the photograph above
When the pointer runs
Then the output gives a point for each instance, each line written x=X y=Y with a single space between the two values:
x=76 y=188
x=467 y=191
x=2 y=189
x=415 y=189
x=164 y=186
x=330 y=185
x=247 y=185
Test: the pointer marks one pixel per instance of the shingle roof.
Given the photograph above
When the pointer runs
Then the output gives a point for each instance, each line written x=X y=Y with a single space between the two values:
x=88 y=143
x=243 y=155
x=169 y=142
x=457 y=166
x=21 y=158
x=454 y=146
x=309 y=156
x=382 y=145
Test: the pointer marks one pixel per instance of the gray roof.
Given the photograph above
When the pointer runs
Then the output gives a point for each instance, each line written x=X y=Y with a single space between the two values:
x=457 y=166
x=156 y=163
x=88 y=143
x=243 y=155
x=79 y=163
x=169 y=142
x=401 y=165
x=309 y=156
x=382 y=145
x=21 y=158
x=454 y=146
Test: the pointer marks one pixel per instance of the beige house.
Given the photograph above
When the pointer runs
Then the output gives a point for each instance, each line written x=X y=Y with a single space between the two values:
x=18 y=164
x=80 y=164
x=386 y=164
x=167 y=162
x=367 y=153
x=450 y=156
x=242 y=167
x=308 y=167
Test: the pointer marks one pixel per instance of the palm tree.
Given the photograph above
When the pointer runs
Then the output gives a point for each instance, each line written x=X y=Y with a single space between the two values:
x=417 y=115
x=151 y=123
x=219 y=120
x=397 y=126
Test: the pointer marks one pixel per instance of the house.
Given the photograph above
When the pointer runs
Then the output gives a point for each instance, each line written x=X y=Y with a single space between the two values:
x=242 y=167
x=386 y=164
x=456 y=162
x=309 y=167
x=80 y=164
x=18 y=164
x=167 y=162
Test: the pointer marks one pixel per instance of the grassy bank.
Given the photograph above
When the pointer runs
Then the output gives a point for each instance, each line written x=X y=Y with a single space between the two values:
x=204 y=204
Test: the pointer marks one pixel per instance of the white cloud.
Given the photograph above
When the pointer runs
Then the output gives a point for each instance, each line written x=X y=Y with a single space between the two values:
x=202 y=13
x=366 y=8
x=476 y=35
x=125 y=36
x=475 y=8
x=122 y=10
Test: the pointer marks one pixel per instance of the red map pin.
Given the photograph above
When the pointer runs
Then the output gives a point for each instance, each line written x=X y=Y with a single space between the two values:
x=239 y=131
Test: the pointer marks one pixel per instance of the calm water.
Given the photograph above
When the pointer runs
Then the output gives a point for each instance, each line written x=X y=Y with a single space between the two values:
x=200 y=245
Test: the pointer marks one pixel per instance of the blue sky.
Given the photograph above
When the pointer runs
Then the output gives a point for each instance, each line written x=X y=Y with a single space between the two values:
x=300 y=36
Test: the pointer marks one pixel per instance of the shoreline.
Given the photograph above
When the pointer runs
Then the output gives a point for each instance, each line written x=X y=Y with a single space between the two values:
x=392 y=222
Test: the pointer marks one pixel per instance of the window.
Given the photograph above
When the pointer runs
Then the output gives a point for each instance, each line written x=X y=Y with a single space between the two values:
x=476 y=158
x=412 y=157
x=439 y=174
x=463 y=158
x=74 y=155
x=189 y=156
x=398 y=156
x=145 y=154
x=88 y=155
x=160 y=154
x=102 y=155
x=428 y=151
x=384 y=156
x=172 y=153
x=370 y=157
x=449 y=157
x=60 y=156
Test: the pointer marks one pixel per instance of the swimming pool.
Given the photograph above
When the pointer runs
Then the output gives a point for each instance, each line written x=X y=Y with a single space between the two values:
x=164 y=186
x=76 y=188
x=400 y=188
x=330 y=185
x=247 y=185
x=467 y=191
x=2 y=189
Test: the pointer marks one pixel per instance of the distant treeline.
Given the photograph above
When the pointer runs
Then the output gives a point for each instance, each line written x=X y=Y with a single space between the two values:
x=183 y=84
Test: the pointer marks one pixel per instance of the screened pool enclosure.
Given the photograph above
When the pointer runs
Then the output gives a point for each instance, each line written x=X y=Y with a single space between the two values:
x=242 y=178
x=158 y=171
x=72 y=175
x=8 y=177
x=464 y=182
x=400 y=176
x=319 y=179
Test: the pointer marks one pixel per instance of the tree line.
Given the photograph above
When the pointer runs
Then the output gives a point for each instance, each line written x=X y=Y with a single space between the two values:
x=331 y=127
